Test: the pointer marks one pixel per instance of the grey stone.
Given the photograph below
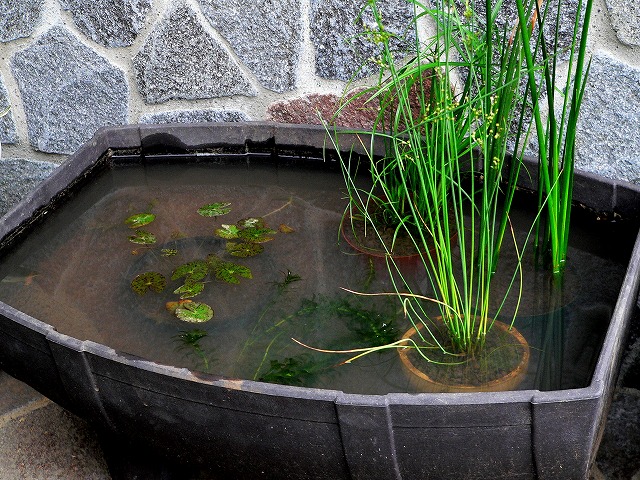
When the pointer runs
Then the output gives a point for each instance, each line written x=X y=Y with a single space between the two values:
x=619 y=452
x=625 y=19
x=508 y=17
x=15 y=394
x=341 y=51
x=195 y=116
x=608 y=137
x=112 y=23
x=18 y=18
x=50 y=443
x=68 y=91
x=8 y=133
x=180 y=60
x=18 y=177
x=266 y=35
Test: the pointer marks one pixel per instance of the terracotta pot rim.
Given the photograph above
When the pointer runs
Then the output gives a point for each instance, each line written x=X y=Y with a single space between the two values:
x=358 y=247
x=507 y=382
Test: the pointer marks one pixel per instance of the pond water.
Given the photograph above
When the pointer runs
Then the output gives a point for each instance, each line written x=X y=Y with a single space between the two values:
x=75 y=272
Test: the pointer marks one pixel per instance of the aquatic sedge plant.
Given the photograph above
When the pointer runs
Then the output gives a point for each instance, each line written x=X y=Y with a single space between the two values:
x=556 y=137
x=454 y=123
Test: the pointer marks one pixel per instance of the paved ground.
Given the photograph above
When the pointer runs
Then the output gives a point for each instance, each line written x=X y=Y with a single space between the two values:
x=41 y=441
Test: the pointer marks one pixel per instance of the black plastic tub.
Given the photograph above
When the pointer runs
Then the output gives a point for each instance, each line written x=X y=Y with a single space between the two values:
x=247 y=429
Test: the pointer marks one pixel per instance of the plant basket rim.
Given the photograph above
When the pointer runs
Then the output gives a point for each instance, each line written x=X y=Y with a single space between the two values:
x=506 y=382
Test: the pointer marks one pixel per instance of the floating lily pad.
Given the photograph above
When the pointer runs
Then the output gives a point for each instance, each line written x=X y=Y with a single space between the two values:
x=285 y=228
x=139 y=220
x=177 y=235
x=228 y=231
x=256 y=235
x=251 y=222
x=214 y=209
x=244 y=249
x=189 y=289
x=142 y=237
x=148 y=281
x=194 y=312
x=173 y=306
x=195 y=271
x=212 y=260
x=230 y=272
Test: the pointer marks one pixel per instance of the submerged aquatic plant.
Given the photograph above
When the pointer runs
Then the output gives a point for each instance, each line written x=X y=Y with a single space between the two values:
x=190 y=342
x=372 y=327
x=288 y=279
x=300 y=370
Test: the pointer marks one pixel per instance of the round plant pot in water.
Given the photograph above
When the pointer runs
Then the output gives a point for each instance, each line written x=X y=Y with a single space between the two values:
x=369 y=242
x=500 y=366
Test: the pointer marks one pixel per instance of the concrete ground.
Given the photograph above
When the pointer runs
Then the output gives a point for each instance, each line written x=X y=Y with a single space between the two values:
x=41 y=441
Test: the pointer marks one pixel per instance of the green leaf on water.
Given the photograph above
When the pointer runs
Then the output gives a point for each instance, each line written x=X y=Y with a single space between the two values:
x=244 y=249
x=143 y=237
x=189 y=289
x=139 y=220
x=231 y=272
x=212 y=260
x=256 y=235
x=194 y=271
x=168 y=252
x=228 y=231
x=194 y=312
x=148 y=281
x=214 y=209
x=251 y=222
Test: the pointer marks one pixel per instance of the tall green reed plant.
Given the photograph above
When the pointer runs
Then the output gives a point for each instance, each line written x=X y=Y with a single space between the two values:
x=556 y=137
x=446 y=156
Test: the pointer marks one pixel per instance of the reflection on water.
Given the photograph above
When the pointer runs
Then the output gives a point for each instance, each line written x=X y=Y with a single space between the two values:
x=76 y=274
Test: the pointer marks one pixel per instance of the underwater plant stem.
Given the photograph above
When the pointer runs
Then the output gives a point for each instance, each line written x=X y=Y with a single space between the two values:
x=289 y=202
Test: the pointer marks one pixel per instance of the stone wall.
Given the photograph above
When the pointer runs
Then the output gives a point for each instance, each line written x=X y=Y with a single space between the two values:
x=71 y=66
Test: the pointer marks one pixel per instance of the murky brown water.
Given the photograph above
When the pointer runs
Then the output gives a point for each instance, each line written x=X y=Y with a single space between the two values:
x=76 y=272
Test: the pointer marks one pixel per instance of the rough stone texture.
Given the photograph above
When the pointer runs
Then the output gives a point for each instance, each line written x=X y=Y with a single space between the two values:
x=68 y=91
x=608 y=139
x=195 y=116
x=619 y=453
x=48 y=444
x=340 y=52
x=18 y=18
x=508 y=17
x=318 y=108
x=625 y=19
x=172 y=65
x=266 y=35
x=112 y=23
x=14 y=393
x=18 y=177
x=8 y=133
x=357 y=108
